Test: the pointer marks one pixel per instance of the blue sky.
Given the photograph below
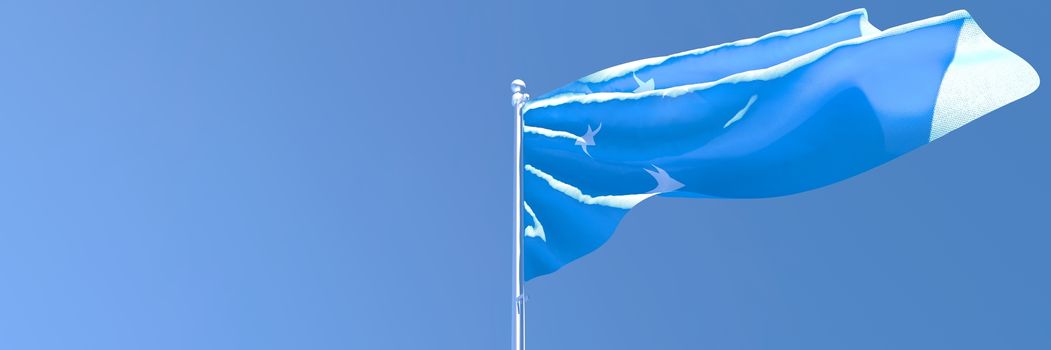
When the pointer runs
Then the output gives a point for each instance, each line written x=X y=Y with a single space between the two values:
x=337 y=175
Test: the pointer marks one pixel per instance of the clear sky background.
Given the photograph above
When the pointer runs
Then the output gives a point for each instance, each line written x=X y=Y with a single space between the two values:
x=338 y=175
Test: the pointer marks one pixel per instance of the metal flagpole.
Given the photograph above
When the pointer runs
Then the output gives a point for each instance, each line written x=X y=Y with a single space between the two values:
x=518 y=99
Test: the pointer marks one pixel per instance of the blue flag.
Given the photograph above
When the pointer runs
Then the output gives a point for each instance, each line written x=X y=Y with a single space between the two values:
x=784 y=113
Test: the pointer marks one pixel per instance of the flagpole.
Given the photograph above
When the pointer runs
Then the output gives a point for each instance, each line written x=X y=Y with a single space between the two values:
x=518 y=100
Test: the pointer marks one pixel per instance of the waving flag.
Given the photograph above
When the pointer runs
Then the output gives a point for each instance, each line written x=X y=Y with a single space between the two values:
x=787 y=112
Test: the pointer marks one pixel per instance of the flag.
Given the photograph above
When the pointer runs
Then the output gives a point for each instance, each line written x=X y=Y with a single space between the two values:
x=787 y=112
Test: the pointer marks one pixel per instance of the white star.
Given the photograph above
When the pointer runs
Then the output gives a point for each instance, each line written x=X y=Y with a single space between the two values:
x=741 y=112
x=588 y=139
x=643 y=85
x=665 y=183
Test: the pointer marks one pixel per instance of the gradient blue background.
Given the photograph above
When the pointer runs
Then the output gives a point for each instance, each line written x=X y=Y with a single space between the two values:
x=337 y=175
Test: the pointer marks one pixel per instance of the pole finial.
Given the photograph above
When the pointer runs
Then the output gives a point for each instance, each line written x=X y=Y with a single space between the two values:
x=519 y=97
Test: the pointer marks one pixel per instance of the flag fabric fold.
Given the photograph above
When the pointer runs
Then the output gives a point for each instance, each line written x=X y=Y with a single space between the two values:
x=784 y=113
x=714 y=62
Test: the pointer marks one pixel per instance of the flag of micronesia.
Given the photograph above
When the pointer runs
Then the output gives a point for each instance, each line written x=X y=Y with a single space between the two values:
x=780 y=114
